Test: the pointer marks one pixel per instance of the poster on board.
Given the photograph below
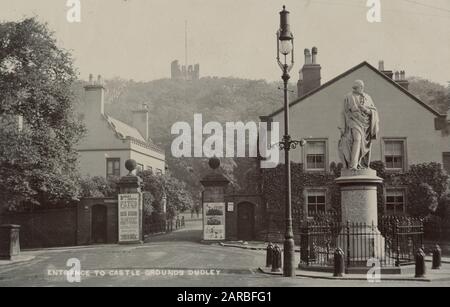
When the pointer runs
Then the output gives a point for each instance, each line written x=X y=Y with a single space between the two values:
x=214 y=221
x=129 y=211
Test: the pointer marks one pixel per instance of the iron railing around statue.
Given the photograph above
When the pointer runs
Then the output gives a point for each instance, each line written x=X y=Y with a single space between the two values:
x=392 y=243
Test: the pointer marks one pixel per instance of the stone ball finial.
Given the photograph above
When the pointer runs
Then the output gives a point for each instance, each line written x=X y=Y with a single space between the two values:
x=130 y=165
x=214 y=163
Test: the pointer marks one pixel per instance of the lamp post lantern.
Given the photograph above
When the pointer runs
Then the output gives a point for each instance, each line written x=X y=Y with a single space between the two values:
x=285 y=47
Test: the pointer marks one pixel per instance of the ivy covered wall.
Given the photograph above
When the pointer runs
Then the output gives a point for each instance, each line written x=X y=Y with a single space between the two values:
x=425 y=184
x=273 y=187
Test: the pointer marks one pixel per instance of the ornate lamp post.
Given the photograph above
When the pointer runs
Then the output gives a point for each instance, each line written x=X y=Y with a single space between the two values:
x=285 y=47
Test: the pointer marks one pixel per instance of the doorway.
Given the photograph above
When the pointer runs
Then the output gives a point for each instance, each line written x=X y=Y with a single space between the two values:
x=246 y=222
x=99 y=224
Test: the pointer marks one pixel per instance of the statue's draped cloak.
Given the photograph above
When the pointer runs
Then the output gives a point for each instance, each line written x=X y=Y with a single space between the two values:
x=366 y=125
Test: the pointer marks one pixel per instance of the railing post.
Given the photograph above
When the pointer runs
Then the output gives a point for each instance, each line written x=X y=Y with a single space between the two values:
x=328 y=250
x=269 y=255
x=348 y=243
x=437 y=258
x=308 y=249
x=397 y=261
x=420 y=264
x=276 y=260
x=339 y=263
x=421 y=233
x=375 y=241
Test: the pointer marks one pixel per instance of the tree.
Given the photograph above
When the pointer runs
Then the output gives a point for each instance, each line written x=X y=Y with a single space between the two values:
x=434 y=94
x=178 y=198
x=422 y=200
x=38 y=163
x=444 y=207
x=99 y=187
x=430 y=173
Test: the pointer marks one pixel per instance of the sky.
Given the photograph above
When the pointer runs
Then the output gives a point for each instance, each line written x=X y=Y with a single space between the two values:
x=138 y=39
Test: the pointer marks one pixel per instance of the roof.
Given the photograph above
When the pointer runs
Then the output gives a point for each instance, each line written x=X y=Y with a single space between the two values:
x=348 y=72
x=123 y=130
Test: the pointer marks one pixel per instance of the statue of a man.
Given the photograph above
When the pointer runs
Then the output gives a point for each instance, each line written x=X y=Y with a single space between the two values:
x=361 y=126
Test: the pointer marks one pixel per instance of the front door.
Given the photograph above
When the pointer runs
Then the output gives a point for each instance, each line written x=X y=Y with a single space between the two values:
x=246 y=221
x=99 y=224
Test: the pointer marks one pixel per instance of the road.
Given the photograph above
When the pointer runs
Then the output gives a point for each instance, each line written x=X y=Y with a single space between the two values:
x=178 y=259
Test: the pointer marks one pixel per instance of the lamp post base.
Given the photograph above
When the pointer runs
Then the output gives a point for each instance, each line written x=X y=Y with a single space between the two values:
x=289 y=258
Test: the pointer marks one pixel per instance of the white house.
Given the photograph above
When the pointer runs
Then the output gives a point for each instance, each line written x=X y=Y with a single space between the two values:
x=110 y=142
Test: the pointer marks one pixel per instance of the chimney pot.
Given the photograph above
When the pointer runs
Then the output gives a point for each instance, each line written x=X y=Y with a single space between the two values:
x=308 y=59
x=381 y=65
x=91 y=78
x=315 y=52
x=402 y=81
x=397 y=76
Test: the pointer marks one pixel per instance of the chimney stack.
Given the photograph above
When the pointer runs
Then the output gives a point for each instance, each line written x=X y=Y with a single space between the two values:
x=94 y=97
x=402 y=81
x=388 y=73
x=140 y=121
x=310 y=74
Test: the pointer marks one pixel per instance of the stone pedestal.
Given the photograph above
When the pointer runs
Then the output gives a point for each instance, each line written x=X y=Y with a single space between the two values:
x=360 y=238
x=9 y=242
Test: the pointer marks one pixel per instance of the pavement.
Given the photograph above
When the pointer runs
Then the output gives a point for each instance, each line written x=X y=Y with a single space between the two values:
x=178 y=259
x=442 y=275
x=256 y=245
x=19 y=259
